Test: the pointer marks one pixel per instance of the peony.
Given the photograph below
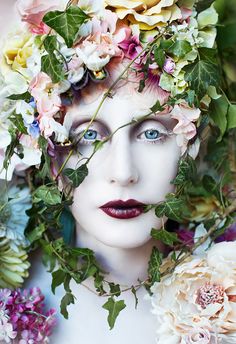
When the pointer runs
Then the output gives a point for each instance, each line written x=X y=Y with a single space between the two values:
x=33 y=11
x=199 y=299
x=148 y=14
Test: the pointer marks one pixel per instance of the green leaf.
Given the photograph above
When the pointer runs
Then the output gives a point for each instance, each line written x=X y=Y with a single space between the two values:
x=211 y=186
x=186 y=171
x=45 y=168
x=164 y=236
x=50 y=44
x=171 y=208
x=17 y=120
x=154 y=266
x=180 y=48
x=53 y=67
x=159 y=56
x=218 y=111
x=157 y=107
x=48 y=194
x=58 y=278
x=231 y=118
x=36 y=233
x=66 y=23
x=208 y=54
x=65 y=302
x=201 y=5
x=114 y=308
x=23 y=96
x=201 y=75
x=114 y=289
x=77 y=176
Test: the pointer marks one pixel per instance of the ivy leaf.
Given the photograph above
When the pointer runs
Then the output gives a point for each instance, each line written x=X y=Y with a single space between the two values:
x=114 y=308
x=53 y=67
x=23 y=96
x=48 y=194
x=208 y=54
x=171 y=208
x=211 y=186
x=58 y=278
x=201 y=5
x=114 y=289
x=36 y=233
x=231 y=119
x=159 y=56
x=66 y=23
x=157 y=107
x=154 y=266
x=165 y=236
x=201 y=75
x=77 y=176
x=186 y=172
x=50 y=44
x=17 y=120
x=65 y=302
x=180 y=48
x=218 y=112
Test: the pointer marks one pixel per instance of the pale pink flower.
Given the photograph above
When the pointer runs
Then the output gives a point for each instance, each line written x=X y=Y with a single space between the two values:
x=33 y=11
x=201 y=336
x=185 y=128
x=6 y=332
x=169 y=66
x=45 y=94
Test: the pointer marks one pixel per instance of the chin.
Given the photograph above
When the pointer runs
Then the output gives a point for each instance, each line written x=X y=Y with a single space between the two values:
x=123 y=234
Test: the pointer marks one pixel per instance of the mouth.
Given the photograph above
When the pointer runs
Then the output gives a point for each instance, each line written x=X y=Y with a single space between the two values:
x=123 y=209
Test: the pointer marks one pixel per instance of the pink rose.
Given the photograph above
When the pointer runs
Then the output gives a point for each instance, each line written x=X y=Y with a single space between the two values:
x=33 y=11
x=169 y=66
x=45 y=94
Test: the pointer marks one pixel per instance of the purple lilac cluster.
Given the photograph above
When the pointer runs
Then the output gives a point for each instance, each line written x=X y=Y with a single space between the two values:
x=22 y=317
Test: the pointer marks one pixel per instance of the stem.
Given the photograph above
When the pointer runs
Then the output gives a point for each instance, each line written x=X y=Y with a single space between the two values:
x=64 y=163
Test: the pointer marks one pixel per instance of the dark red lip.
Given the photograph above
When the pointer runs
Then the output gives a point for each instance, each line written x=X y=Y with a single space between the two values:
x=123 y=209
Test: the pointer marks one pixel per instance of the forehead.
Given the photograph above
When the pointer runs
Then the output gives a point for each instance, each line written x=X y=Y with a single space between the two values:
x=117 y=110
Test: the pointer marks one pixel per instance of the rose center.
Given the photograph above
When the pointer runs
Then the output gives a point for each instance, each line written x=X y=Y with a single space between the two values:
x=209 y=294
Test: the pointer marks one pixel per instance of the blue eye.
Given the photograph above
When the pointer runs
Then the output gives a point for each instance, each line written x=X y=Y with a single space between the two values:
x=152 y=134
x=91 y=135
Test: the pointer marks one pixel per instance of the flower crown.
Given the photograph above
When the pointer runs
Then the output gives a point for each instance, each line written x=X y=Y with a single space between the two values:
x=63 y=46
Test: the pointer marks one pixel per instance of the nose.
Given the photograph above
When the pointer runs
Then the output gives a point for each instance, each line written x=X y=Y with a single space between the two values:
x=122 y=168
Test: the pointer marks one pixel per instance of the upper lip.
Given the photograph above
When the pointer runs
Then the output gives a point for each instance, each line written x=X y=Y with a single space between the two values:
x=130 y=203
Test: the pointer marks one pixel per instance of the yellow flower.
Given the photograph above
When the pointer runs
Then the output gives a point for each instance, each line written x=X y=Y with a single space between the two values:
x=148 y=14
x=17 y=50
x=204 y=207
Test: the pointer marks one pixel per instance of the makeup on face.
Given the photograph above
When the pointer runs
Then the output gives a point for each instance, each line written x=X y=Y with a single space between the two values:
x=123 y=210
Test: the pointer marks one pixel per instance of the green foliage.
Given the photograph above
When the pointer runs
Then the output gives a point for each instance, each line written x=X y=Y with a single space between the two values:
x=36 y=233
x=164 y=236
x=76 y=176
x=23 y=96
x=66 y=23
x=219 y=112
x=180 y=48
x=171 y=208
x=65 y=302
x=157 y=107
x=201 y=5
x=45 y=168
x=154 y=266
x=159 y=56
x=50 y=195
x=231 y=117
x=17 y=120
x=58 y=278
x=67 y=226
x=187 y=171
x=114 y=308
x=200 y=75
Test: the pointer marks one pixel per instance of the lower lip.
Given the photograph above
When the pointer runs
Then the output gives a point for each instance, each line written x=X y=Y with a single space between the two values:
x=123 y=213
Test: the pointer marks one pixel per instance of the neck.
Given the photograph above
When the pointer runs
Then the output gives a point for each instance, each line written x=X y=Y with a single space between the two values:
x=124 y=266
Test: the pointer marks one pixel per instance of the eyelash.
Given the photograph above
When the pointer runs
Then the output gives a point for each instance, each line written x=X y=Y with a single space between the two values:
x=163 y=136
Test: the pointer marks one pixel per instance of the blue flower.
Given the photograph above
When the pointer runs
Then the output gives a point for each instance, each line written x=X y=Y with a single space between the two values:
x=34 y=129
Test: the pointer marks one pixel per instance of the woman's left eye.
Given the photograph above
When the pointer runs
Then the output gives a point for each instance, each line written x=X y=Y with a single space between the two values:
x=151 y=135
x=91 y=135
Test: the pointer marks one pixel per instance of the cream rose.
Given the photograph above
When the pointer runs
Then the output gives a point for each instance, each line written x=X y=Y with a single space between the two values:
x=201 y=293
x=148 y=14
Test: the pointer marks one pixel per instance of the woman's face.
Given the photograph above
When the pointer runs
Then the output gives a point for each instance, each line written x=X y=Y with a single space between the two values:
x=136 y=165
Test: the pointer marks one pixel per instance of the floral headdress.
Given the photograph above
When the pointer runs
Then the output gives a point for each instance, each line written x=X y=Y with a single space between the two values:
x=61 y=50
